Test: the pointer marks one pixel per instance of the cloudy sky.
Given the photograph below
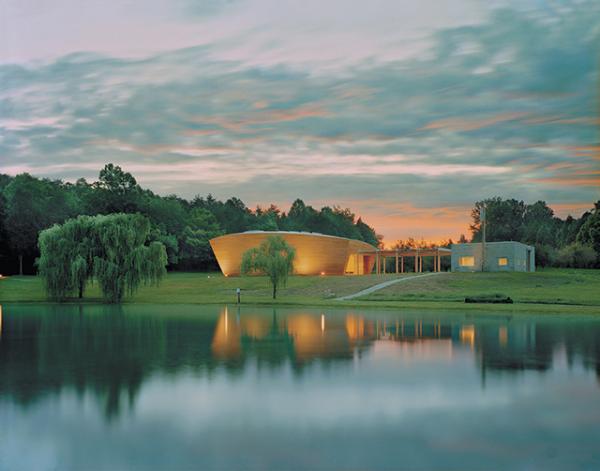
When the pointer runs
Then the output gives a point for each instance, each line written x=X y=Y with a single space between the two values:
x=405 y=111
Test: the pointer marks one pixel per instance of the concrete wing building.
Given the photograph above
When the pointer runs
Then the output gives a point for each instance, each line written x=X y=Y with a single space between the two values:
x=494 y=256
x=316 y=254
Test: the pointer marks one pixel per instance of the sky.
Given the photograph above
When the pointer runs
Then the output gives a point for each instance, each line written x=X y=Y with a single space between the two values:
x=406 y=112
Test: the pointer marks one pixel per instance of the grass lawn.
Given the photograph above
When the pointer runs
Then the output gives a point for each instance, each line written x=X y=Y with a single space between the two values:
x=553 y=286
x=549 y=290
x=208 y=288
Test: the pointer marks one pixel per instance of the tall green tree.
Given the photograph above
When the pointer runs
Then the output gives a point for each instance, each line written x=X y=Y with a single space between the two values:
x=194 y=244
x=504 y=219
x=539 y=224
x=589 y=233
x=273 y=258
x=122 y=259
x=32 y=205
x=116 y=191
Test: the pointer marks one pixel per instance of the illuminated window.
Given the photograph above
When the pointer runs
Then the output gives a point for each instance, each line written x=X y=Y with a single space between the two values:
x=502 y=261
x=467 y=261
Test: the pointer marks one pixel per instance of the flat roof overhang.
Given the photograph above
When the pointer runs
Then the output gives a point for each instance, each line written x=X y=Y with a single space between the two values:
x=428 y=252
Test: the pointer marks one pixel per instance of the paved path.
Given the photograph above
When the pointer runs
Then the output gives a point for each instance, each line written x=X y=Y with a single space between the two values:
x=385 y=284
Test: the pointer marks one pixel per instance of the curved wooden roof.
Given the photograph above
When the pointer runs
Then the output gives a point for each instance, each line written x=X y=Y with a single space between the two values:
x=316 y=254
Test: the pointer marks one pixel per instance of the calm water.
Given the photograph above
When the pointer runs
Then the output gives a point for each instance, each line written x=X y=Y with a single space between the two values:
x=182 y=387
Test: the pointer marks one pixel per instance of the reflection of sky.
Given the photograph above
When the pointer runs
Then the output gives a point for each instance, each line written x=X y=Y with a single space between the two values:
x=362 y=413
x=391 y=107
x=397 y=404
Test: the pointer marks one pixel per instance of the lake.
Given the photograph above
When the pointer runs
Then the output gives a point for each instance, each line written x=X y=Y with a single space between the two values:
x=213 y=387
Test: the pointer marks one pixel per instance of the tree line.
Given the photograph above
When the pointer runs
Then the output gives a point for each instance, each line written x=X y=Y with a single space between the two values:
x=29 y=205
x=569 y=242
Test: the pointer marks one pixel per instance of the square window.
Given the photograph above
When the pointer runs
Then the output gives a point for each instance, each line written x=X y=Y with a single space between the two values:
x=466 y=261
x=502 y=261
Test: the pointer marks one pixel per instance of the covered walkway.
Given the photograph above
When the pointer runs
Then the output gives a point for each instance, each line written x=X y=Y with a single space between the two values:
x=408 y=258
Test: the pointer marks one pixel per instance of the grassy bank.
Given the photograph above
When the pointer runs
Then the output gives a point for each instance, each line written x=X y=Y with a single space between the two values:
x=545 y=291
x=551 y=286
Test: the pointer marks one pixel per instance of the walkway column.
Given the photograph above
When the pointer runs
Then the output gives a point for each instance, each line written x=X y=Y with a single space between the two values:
x=396 y=261
x=416 y=261
x=377 y=262
x=402 y=265
x=384 y=260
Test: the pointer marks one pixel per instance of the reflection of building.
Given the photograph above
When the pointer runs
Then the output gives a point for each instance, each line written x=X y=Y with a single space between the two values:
x=316 y=254
x=515 y=346
x=303 y=337
x=494 y=256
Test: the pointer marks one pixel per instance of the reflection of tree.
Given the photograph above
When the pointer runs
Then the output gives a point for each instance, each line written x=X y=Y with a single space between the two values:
x=523 y=347
x=100 y=349
x=272 y=349
x=104 y=352
x=527 y=345
x=110 y=351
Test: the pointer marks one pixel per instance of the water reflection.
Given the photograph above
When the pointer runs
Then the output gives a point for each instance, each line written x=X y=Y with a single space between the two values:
x=112 y=350
x=310 y=382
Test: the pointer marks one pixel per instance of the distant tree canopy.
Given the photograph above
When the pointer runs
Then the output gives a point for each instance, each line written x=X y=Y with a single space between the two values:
x=273 y=258
x=114 y=249
x=29 y=205
x=565 y=242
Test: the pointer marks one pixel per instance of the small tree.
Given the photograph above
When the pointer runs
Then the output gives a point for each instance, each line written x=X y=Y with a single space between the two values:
x=273 y=258
x=576 y=255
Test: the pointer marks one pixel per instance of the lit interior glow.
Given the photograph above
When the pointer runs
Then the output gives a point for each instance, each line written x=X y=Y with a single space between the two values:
x=467 y=261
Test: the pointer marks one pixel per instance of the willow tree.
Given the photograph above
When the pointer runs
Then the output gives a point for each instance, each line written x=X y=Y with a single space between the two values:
x=112 y=248
x=122 y=259
x=273 y=258
x=66 y=255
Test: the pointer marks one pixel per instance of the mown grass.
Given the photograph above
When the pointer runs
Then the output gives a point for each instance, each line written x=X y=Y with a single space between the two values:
x=207 y=288
x=550 y=286
x=544 y=291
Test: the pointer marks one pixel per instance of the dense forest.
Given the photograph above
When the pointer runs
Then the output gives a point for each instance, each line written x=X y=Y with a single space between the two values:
x=29 y=205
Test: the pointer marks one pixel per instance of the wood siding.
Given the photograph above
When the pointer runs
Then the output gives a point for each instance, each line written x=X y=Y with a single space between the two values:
x=316 y=254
